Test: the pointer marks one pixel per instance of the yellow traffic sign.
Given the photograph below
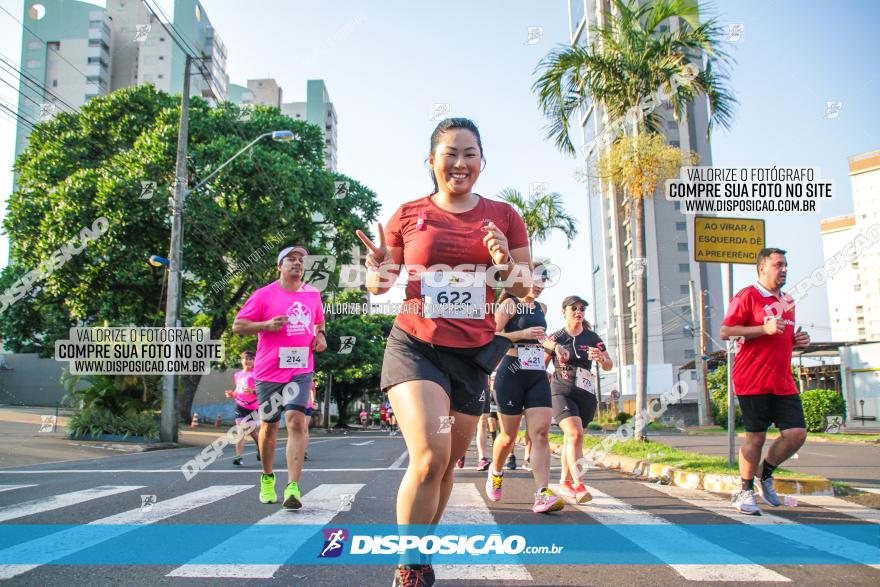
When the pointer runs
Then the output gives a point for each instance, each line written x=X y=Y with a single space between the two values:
x=728 y=240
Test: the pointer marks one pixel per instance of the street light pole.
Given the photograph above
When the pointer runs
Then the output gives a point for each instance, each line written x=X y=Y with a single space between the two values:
x=168 y=421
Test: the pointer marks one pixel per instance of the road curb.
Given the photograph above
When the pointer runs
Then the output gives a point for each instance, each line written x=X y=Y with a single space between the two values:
x=714 y=482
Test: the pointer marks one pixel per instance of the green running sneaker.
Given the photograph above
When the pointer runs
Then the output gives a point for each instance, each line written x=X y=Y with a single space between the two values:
x=292 y=497
x=267 y=488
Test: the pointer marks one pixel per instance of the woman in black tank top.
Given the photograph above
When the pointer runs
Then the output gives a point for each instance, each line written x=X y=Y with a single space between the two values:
x=521 y=387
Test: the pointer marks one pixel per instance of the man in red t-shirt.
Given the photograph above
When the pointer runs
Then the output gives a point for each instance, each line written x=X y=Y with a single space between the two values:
x=764 y=317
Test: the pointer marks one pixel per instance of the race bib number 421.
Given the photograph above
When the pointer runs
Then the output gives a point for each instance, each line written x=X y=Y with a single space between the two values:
x=452 y=294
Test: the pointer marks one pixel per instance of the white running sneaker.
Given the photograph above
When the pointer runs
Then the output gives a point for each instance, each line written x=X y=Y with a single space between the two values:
x=744 y=501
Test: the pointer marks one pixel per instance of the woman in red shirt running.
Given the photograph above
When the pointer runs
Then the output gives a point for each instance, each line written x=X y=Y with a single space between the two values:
x=447 y=241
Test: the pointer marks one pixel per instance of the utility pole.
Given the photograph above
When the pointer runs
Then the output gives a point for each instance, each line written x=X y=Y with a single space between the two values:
x=327 y=392
x=703 y=337
x=168 y=424
x=697 y=331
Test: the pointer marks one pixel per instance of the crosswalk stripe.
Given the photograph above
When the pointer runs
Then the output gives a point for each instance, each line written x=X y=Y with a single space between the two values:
x=39 y=506
x=466 y=506
x=67 y=542
x=613 y=513
x=841 y=506
x=320 y=505
x=831 y=543
x=11 y=487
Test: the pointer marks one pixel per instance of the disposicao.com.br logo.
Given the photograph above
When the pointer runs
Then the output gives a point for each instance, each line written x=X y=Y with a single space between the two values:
x=449 y=544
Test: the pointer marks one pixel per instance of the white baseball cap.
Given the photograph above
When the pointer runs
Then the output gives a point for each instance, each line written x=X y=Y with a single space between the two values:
x=286 y=251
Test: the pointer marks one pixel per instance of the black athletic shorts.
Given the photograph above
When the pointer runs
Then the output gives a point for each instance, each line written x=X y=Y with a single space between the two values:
x=242 y=412
x=572 y=401
x=517 y=390
x=759 y=411
x=410 y=359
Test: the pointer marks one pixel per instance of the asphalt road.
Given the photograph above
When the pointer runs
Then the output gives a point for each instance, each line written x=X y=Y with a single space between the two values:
x=857 y=464
x=369 y=466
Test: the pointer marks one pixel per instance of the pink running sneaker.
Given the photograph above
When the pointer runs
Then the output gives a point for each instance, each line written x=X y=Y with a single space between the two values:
x=581 y=493
x=460 y=462
x=547 y=501
x=567 y=490
x=493 y=486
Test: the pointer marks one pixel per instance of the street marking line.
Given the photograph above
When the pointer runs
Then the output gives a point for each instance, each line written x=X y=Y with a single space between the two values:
x=396 y=464
x=869 y=489
x=833 y=544
x=39 y=506
x=12 y=487
x=614 y=513
x=67 y=542
x=178 y=471
x=320 y=505
x=364 y=443
x=466 y=506
x=841 y=506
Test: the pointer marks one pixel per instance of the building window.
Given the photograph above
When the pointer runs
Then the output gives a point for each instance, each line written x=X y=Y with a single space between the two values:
x=684 y=289
x=684 y=268
x=161 y=76
x=34 y=45
x=677 y=205
x=54 y=83
x=675 y=144
x=162 y=58
x=33 y=64
x=689 y=354
x=680 y=226
x=672 y=125
x=683 y=247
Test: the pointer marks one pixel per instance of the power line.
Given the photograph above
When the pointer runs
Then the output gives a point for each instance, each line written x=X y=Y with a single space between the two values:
x=34 y=83
x=14 y=114
x=48 y=45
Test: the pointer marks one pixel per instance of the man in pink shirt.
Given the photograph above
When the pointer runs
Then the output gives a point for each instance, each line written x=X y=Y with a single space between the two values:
x=288 y=319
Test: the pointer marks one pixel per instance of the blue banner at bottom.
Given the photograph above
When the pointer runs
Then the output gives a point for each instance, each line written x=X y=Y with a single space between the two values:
x=527 y=544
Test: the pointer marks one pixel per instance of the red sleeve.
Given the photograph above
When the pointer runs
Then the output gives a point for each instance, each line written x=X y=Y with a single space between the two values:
x=517 y=237
x=393 y=232
x=252 y=309
x=739 y=310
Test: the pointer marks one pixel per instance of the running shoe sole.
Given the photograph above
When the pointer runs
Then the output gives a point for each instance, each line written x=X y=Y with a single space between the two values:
x=291 y=503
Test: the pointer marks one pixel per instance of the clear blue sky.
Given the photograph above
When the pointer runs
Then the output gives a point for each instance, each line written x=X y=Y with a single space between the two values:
x=402 y=57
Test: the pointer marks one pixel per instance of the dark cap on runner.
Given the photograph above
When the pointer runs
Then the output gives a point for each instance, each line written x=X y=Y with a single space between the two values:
x=572 y=300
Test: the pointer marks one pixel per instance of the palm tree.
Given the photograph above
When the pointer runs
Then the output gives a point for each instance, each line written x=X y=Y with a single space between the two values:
x=631 y=56
x=542 y=214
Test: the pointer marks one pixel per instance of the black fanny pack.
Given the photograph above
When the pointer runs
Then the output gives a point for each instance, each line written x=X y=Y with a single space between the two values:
x=488 y=357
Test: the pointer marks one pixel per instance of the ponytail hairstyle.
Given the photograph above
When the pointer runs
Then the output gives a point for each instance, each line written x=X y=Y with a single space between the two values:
x=450 y=124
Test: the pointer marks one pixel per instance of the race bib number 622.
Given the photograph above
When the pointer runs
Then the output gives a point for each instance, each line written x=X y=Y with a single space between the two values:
x=452 y=294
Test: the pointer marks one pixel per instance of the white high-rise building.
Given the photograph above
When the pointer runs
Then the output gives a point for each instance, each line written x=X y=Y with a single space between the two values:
x=670 y=260
x=854 y=290
x=73 y=51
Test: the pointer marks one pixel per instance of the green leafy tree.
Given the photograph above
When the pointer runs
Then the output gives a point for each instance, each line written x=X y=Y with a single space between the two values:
x=542 y=214
x=80 y=167
x=630 y=57
x=355 y=373
x=819 y=403
x=716 y=381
